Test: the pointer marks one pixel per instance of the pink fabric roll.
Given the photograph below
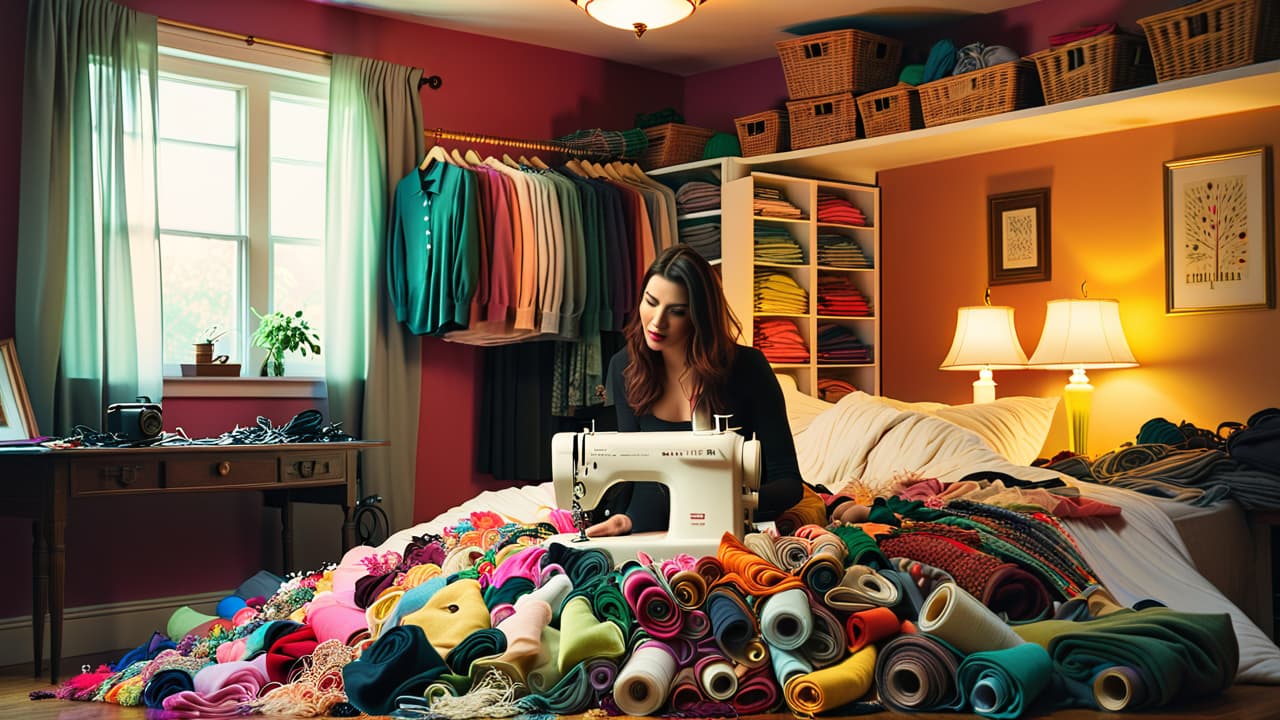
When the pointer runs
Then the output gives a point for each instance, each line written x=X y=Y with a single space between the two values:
x=221 y=690
x=523 y=631
x=231 y=651
x=351 y=568
x=523 y=564
x=243 y=615
x=655 y=610
x=334 y=618
x=758 y=692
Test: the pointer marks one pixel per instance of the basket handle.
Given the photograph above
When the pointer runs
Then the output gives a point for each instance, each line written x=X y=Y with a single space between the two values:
x=823 y=108
x=815 y=50
x=755 y=127
x=883 y=104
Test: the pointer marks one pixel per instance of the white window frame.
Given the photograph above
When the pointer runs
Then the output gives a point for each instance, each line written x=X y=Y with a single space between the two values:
x=262 y=71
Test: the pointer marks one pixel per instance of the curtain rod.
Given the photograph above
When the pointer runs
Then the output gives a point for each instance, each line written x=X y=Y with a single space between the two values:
x=432 y=81
x=437 y=135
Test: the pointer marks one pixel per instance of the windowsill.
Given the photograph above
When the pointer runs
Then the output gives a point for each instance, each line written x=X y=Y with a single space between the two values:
x=248 y=387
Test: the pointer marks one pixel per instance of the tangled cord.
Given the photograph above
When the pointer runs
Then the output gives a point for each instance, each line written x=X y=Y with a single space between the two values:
x=305 y=427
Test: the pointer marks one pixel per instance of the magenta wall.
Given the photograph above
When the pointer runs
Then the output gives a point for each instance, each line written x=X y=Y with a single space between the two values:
x=203 y=543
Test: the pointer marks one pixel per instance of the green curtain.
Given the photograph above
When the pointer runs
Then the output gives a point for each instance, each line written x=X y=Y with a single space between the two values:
x=373 y=367
x=88 y=286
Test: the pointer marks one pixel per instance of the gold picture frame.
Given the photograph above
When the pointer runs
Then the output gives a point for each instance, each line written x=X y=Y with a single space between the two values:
x=17 y=421
x=1219 y=237
x=1018 y=237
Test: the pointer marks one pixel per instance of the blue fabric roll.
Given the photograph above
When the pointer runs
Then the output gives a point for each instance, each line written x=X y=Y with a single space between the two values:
x=229 y=606
x=262 y=584
x=146 y=651
x=163 y=684
x=414 y=599
x=942 y=60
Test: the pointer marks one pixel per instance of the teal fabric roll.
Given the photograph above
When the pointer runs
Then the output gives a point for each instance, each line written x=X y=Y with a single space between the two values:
x=401 y=662
x=1004 y=683
x=608 y=602
x=942 y=60
x=486 y=642
x=572 y=695
x=788 y=664
x=507 y=592
x=863 y=549
x=1179 y=656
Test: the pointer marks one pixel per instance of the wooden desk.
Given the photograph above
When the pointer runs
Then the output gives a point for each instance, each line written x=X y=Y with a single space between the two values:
x=41 y=486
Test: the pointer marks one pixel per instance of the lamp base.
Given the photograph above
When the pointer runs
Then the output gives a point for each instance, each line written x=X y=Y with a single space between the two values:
x=1078 y=397
x=984 y=388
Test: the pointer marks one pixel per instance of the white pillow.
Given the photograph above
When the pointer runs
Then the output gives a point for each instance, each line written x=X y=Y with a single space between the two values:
x=1015 y=427
x=802 y=408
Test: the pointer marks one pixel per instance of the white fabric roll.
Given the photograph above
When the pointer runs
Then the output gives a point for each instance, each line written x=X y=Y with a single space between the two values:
x=954 y=615
x=644 y=682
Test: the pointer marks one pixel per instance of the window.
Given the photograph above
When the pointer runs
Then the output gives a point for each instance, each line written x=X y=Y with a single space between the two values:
x=241 y=171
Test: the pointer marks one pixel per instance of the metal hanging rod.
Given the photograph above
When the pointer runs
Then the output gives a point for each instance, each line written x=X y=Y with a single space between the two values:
x=432 y=81
x=437 y=135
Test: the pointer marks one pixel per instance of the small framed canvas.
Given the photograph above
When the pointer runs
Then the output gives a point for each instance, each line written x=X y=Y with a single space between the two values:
x=1018 y=236
x=1219 y=241
x=17 y=422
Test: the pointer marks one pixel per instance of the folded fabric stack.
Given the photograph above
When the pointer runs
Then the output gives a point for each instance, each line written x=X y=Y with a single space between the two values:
x=777 y=293
x=838 y=345
x=835 y=209
x=770 y=202
x=832 y=389
x=775 y=245
x=703 y=236
x=841 y=252
x=837 y=296
x=780 y=341
x=697 y=196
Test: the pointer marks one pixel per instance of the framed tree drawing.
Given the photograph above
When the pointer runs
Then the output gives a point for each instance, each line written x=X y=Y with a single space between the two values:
x=17 y=422
x=1018 y=237
x=1219 y=242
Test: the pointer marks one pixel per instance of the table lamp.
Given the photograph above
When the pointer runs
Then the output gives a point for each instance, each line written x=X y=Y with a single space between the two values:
x=985 y=340
x=1081 y=334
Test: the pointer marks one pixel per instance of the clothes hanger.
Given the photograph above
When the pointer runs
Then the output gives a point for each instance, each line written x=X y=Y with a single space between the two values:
x=507 y=159
x=472 y=157
x=575 y=167
x=536 y=161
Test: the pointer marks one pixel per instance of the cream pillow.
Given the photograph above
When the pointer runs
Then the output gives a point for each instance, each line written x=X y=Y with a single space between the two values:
x=1016 y=427
x=801 y=407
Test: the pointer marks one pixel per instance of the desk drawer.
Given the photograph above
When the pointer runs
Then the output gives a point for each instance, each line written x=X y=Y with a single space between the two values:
x=108 y=476
x=221 y=471
x=313 y=467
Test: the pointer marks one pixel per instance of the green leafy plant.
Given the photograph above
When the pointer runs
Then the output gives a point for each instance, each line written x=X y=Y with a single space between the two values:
x=279 y=333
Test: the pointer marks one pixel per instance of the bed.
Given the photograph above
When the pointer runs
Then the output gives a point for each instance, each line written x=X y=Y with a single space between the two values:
x=1139 y=556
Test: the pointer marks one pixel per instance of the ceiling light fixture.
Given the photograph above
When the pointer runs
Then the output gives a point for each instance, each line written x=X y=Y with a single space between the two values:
x=638 y=15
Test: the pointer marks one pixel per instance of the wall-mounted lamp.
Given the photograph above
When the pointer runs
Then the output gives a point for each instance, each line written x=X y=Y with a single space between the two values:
x=1081 y=334
x=985 y=340
x=638 y=15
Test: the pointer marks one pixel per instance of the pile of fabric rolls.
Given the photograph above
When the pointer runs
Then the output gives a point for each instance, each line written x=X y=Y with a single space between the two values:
x=489 y=621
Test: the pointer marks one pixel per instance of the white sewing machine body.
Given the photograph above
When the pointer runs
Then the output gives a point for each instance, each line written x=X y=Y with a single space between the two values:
x=712 y=479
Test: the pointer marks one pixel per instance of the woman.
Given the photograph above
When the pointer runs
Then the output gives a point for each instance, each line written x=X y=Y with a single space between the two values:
x=681 y=360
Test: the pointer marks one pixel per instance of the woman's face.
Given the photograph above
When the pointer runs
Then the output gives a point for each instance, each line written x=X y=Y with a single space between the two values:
x=664 y=315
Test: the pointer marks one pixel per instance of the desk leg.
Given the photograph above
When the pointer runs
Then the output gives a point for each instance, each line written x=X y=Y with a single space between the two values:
x=57 y=576
x=39 y=593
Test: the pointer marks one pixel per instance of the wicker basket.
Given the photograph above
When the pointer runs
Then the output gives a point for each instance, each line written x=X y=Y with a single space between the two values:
x=1212 y=35
x=762 y=133
x=673 y=143
x=1094 y=66
x=823 y=121
x=839 y=61
x=894 y=110
x=1008 y=86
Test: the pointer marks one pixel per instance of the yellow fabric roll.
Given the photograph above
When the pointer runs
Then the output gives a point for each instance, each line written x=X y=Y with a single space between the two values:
x=689 y=589
x=452 y=614
x=811 y=510
x=832 y=687
x=417 y=575
x=377 y=613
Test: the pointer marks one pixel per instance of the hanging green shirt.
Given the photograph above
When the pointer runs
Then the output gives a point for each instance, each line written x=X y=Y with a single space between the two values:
x=433 y=248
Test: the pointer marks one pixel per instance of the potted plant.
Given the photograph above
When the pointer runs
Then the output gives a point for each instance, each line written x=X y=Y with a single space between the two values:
x=204 y=348
x=280 y=333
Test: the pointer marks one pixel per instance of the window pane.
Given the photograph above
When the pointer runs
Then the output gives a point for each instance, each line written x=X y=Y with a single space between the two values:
x=297 y=199
x=198 y=113
x=198 y=188
x=298 y=128
x=297 y=283
x=201 y=288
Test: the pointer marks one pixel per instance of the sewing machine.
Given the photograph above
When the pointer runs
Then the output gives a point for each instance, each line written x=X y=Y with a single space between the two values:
x=712 y=479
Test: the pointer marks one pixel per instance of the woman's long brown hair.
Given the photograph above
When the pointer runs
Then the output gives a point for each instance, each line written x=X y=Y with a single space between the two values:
x=712 y=342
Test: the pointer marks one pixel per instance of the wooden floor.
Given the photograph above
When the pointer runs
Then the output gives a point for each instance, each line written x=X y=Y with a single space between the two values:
x=1242 y=702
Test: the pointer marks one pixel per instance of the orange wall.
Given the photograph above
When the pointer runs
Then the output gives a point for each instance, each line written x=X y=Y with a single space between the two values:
x=1107 y=205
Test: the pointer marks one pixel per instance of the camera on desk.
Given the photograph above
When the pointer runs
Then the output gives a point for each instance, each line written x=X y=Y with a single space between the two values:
x=135 y=421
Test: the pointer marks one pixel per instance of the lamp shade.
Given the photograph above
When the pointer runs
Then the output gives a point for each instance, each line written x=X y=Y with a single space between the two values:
x=1082 y=333
x=985 y=339
x=638 y=15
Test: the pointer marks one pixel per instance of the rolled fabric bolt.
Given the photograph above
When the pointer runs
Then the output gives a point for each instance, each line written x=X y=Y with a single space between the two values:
x=717 y=678
x=553 y=591
x=601 y=673
x=834 y=686
x=644 y=682
x=1005 y=683
x=870 y=626
x=787 y=664
x=1118 y=687
x=786 y=620
x=689 y=589
x=954 y=615
x=696 y=625
x=917 y=673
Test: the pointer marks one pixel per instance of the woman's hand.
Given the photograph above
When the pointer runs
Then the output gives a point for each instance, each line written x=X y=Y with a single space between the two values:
x=616 y=525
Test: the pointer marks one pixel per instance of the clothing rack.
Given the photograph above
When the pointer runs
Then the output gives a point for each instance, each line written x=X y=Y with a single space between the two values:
x=432 y=81
x=436 y=135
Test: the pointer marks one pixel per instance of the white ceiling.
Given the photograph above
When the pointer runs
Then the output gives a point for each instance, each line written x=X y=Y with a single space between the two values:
x=722 y=33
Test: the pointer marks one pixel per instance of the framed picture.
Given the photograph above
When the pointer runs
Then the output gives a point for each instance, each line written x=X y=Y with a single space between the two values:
x=1018 y=234
x=17 y=422
x=1219 y=244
